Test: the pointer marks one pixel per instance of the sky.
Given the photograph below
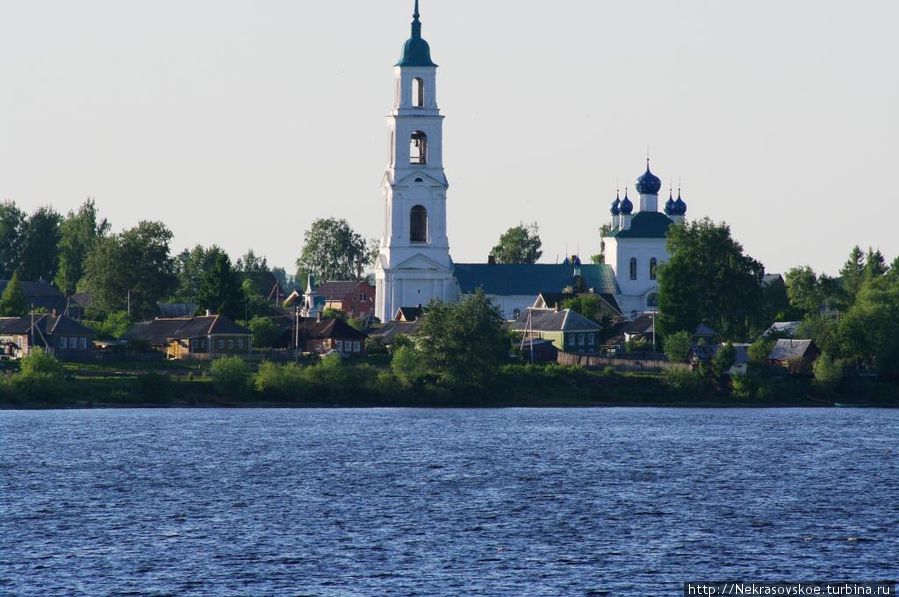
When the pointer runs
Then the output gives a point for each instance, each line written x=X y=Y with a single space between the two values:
x=238 y=123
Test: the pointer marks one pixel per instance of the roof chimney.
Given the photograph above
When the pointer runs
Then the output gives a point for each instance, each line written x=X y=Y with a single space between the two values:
x=491 y=260
x=208 y=313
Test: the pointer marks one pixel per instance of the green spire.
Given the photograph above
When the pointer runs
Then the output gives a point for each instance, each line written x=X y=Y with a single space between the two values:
x=416 y=51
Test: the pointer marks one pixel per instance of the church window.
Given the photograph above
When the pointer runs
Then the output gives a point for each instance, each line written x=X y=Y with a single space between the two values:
x=633 y=268
x=418 y=92
x=653 y=263
x=418 y=148
x=418 y=224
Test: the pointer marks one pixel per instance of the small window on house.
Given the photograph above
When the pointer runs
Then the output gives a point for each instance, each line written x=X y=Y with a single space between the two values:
x=231 y=344
x=73 y=343
x=633 y=268
x=357 y=346
x=653 y=263
x=84 y=344
x=62 y=343
x=418 y=92
x=591 y=339
x=581 y=339
x=221 y=344
x=516 y=313
x=240 y=344
x=340 y=346
x=572 y=340
x=418 y=224
x=418 y=148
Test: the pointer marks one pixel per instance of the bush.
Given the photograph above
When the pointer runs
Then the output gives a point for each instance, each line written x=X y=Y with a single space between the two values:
x=285 y=382
x=231 y=377
x=40 y=377
x=408 y=364
x=152 y=387
x=677 y=346
x=724 y=359
x=830 y=372
x=682 y=380
x=265 y=332
x=749 y=386
x=759 y=350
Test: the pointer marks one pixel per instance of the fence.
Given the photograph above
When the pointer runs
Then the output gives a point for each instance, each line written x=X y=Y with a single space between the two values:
x=653 y=365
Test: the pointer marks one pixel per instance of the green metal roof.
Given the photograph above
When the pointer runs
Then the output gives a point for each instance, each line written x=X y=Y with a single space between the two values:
x=646 y=224
x=532 y=279
x=416 y=51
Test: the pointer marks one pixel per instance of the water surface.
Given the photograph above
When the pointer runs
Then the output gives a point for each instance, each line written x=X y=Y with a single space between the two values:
x=442 y=502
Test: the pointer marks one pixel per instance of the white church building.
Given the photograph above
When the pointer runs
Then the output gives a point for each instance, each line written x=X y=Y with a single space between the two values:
x=414 y=265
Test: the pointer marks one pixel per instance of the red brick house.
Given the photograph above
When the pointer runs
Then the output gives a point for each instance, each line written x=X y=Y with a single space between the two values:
x=356 y=299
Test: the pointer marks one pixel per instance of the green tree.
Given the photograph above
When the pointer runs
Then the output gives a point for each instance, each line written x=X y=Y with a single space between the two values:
x=190 y=265
x=868 y=333
x=40 y=253
x=334 y=251
x=875 y=264
x=759 y=350
x=604 y=231
x=853 y=273
x=724 y=359
x=132 y=268
x=220 y=291
x=804 y=291
x=709 y=279
x=519 y=244
x=12 y=231
x=40 y=376
x=79 y=232
x=894 y=267
x=589 y=305
x=250 y=263
x=265 y=332
x=465 y=342
x=830 y=372
x=231 y=377
x=678 y=346
x=12 y=302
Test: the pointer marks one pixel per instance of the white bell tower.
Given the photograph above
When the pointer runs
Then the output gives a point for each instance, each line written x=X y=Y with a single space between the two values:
x=414 y=265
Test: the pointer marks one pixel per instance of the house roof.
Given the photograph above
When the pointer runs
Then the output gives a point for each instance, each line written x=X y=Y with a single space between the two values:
x=338 y=289
x=531 y=279
x=47 y=324
x=645 y=224
x=783 y=328
x=550 y=320
x=785 y=350
x=390 y=330
x=161 y=330
x=408 y=313
x=41 y=294
x=331 y=328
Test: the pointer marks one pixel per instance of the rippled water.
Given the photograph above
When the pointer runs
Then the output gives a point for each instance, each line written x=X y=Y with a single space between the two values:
x=448 y=502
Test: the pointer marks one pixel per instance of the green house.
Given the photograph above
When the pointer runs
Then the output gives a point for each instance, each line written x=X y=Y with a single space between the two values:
x=567 y=330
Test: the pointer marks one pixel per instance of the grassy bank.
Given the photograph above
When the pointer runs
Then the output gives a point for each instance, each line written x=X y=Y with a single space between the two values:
x=372 y=384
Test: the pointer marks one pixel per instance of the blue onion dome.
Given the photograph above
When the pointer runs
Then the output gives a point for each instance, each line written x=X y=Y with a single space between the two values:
x=627 y=207
x=416 y=51
x=669 y=205
x=616 y=206
x=680 y=207
x=648 y=183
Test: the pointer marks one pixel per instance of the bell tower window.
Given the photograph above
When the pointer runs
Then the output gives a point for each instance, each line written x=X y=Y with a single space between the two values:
x=418 y=148
x=633 y=268
x=418 y=92
x=418 y=224
x=653 y=264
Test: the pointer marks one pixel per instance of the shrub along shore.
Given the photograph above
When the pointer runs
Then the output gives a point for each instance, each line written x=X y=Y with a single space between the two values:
x=42 y=382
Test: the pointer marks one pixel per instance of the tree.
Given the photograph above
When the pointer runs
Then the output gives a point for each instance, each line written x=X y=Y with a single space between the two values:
x=231 y=377
x=894 y=267
x=724 y=359
x=132 y=268
x=265 y=332
x=220 y=291
x=78 y=234
x=12 y=230
x=190 y=265
x=40 y=254
x=678 y=346
x=804 y=291
x=709 y=279
x=12 y=302
x=853 y=273
x=250 y=263
x=334 y=251
x=604 y=231
x=465 y=342
x=519 y=244
x=875 y=264
x=777 y=302
x=588 y=305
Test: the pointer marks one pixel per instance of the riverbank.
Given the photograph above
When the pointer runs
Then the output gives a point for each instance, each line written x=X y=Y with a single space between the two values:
x=181 y=384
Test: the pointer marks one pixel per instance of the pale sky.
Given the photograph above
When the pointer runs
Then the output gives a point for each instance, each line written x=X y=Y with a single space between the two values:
x=239 y=122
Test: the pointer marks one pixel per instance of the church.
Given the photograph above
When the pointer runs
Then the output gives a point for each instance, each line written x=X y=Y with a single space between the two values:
x=414 y=266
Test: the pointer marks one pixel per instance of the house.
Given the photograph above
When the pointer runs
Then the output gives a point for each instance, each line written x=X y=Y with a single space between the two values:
x=566 y=329
x=409 y=314
x=388 y=332
x=796 y=356
x=332 y=334
x=202 y=337
x=59 y=335
x=356 y=299
x=706 y=352
x=553 y=300
x=40 y=295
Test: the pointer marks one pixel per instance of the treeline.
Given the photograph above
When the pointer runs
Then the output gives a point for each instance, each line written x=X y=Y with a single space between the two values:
x=853 y=318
